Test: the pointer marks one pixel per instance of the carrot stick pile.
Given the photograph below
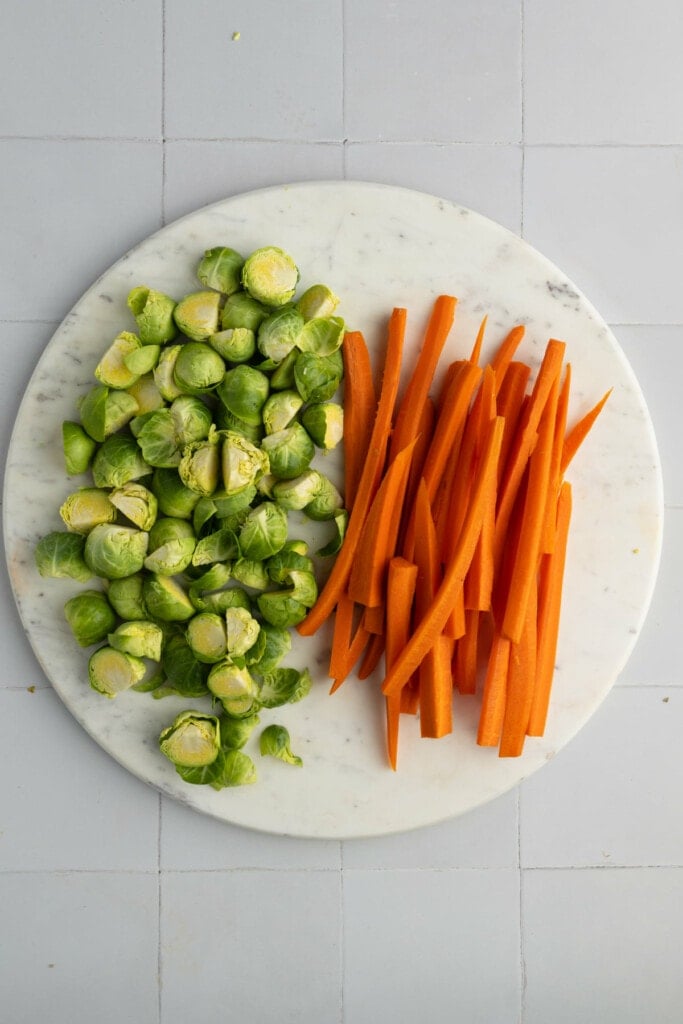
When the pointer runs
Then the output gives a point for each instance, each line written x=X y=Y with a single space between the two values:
x=452 y=567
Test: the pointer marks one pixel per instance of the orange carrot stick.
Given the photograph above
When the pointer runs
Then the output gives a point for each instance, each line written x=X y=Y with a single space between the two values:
x=355 y=649
x=495 y=687
x=400 y=590
x=555 y=479
x=475 y=354
x=520 y=685
x=549 y=603
x=436 y=690
x=505 y=353
x=577 y=434
x=360 y=405
x=510 y=402
x=374 y=460
x=466 y=654
x=372 y=656
x=433 y=622
x=341 y=635
x=373 y=618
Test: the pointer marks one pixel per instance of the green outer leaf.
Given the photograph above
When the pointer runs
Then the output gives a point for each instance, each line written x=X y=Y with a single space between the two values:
x=274 y=740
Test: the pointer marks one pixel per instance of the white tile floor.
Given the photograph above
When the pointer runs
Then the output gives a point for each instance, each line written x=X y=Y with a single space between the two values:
x=557 y=902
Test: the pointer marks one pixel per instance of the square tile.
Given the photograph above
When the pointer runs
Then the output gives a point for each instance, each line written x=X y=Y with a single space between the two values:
x=602 y=945
x=228 y=168
x=78 y=947
x=487 y=179
x=422 y=944
x=604 y=216
x=483 y=838
x=65 y=803
x=265 y=945
x=69 y=209
x=649 y=349
x=652 y=660
x=81 y=69
x=282 y=79
x=611 y=796
x=595 y=73
x=448 y=72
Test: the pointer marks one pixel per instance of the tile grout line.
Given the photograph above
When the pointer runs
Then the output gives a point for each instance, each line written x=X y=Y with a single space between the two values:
x=443 y=143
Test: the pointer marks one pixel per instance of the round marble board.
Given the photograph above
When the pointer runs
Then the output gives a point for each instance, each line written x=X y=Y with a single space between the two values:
x=377 y=247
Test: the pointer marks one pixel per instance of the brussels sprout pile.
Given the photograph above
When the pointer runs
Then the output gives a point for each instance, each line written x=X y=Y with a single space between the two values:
x=199 y=436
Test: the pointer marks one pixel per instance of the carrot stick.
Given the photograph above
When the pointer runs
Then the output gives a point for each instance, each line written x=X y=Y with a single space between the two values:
x=374 y=460
x=410 y=698
x=400 y=590
x=367 y=580
x=520 y=685
x=373 y=618
x=341 y=634
x=525 y=568
x=451 y=371
x=433 y=622
x=493 y=698
x=475 y=355
x=372 y=656
x=550 y=599
x=466 y=654
x=422 y=445
x=555 y=479
x=355 y=649
x=436 y=690
x=510 y=402
x=359 y=409
x=577 y=434
x=505 y=353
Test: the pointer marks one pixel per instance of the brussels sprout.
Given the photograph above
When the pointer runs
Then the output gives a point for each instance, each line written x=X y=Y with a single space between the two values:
x=279 y=333
x=173 y=497
x=153 y=313
x=111 y=671
x=231 y=768
x=139 y=637
x=289 y=451
x=240 y=310
x=228 y=504
x=288 y=607
x=111 y=369
x=264 y=531
x=317 y=377
x=118 y=460
x=224 y=420
x=104 y=411
x=198 y=368
x=280 y=409
x=163 y=373
x=298 y=492
x=326 y=503
x=221 y=268
x=284 y=686
x=235 y=688
x=282 y=376
x=236 y=731
x=242 y=631
x=210 y=582
x=206 y=594
x=197 y=315
x=78 y=448
x=324 y=421
x=166 y=432
x=192 y=740
x=126 y=597
x=171 y=546
x=265 y=484
x=270 y=276
x=250 y=573
x=86 y=508
x=136 y=503
x=218 y=546
x=280 y=566
x=185 y=674
x=200 y=465
x=235 y=344
x=242 y=463
x=270 y=648
x=317 y=301
x=206 y=635
x=333 y=546
x=59 y=555
x=166 y=599
x=322 y=336
x=142 y=360
x=303 y=587
x=146 y=394
x=90 y=617
x=112 y=552
x=243 y=392
x=274 y=740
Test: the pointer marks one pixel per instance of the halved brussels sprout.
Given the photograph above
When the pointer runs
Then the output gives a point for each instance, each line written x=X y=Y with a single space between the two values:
x=317 y=377
x=166 y=599
x=275 y=741
x=234 y=344
x=126 y=597
x=243 y=392
x=206 y=635
x=90 y=617
x=153 y=314
x=171 y=546
x=218 y=546
x=279 y=608
x=322 y=336
x=166 y=432
x=173 y=497
x=228 y=504
x=193 y=739
x=289 y=451
x=163 y=372
x=317 y=301
x=139 y=637
x=104 y=411
x=282 y=377
x=280 y=409
x=327 y=502
x=242 y=462
x=112 y=369
x=235 y=688
x=198 y=368
x=270 y=276
x=59 y=555
x=280 y=333
x=220 y=268
x=273 y=643
x=250 y=573
x=264 y=531
x=200 y=466
x=118 y=460
x=78 y=448
x=284 y=686
x=111 y=672
x=298 y=492
x=136 y=503
x=185 y=674
x=242 y=631
x=333 y=546
x=197 y=314
x=324 y=421
x=146 y=394
x=236 y=731
x=225 y=420
x=112 y=551
x=142 y=360
x=240 y=310
x=280 y=566
x=86 y=508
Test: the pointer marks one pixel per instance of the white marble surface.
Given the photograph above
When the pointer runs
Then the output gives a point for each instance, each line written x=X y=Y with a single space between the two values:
x=565 y=126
